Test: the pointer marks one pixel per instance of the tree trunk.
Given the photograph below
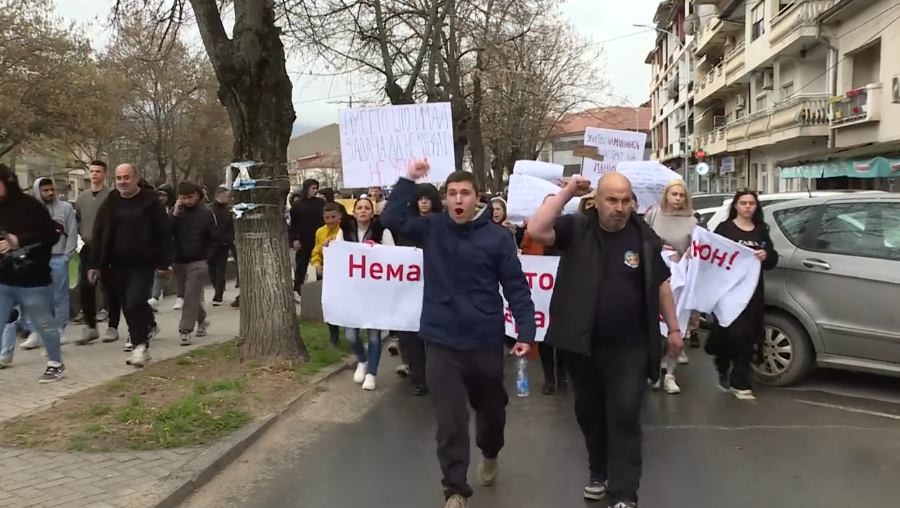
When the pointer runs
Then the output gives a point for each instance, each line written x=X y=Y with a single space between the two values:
x=256 y=91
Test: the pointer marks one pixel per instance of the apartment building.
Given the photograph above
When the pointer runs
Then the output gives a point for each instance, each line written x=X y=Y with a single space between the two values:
x=672 y=88
x=790 y=94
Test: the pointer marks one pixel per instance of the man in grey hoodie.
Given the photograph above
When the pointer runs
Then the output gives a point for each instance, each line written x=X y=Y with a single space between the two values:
x=63 y=215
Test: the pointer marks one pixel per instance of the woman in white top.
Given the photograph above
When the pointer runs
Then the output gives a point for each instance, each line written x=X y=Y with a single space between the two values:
x=363 y=227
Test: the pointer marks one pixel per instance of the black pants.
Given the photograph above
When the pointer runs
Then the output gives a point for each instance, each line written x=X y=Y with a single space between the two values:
x=609 y=390
x=87 y=293
x=412 y=353
x=218 y=262
x=734 y=354
x=552 y=363
x=130 y=286
x=456 y=380
x=301 y=259
x=232 y=248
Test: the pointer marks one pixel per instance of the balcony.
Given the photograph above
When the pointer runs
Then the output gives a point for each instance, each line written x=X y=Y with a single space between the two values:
x=712 y=142
x=709 y=85
x=795 y=26
x=799 y=116
x=709 y=35
x=734 y=61
x=855 y=107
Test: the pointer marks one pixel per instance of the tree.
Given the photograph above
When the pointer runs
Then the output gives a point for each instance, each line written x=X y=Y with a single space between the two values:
x=255 y=89
x=50 y=83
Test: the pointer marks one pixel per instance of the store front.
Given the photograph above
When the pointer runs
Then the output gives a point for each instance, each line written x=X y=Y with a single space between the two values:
x=874 y=173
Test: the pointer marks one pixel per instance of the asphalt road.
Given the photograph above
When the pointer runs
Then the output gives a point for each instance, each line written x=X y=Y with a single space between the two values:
x=703 y=448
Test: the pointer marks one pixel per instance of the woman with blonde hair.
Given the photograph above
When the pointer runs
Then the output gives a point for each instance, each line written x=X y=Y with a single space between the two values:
x=673 y=220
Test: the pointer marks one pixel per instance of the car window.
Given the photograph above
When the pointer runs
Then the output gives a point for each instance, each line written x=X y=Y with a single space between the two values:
x=860 y=229
x=701 y=202
x=704 y=218
x=763 y=204
x=794 y=222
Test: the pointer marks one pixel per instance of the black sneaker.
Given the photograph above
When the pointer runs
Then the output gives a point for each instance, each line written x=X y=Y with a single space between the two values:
x=724 y=383
x=216 y=302
x=694 y=340
x=596 y=489
x=53 y=373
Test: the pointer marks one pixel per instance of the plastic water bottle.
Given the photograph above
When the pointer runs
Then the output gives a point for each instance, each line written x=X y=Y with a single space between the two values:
x=522 y=388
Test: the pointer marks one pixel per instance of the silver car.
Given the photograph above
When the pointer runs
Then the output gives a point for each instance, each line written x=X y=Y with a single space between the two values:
x=832 y=301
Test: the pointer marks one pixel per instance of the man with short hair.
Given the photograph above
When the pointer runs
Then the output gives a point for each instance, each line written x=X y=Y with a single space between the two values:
x=133 y=237
x=194 y=233
x=306 y=218
x=218 y=261
x=86 y=207
x=27 y=237
x=611 y=286
x=63 y=216
x=467 y=258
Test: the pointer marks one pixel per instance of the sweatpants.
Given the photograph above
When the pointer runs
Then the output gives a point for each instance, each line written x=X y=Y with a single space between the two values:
x=193 y=277
x=609 y=390
x=412 y=353
x=456 y=380
x=218 y=263
x=301 y=266
x=130 y=286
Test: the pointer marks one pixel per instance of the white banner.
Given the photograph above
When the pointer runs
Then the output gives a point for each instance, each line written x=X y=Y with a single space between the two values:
x=615 y=147
x=379 y=144
x=541 y=274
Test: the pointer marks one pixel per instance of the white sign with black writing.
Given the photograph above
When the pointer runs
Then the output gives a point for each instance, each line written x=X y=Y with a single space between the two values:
x=615 y=147
x=543 y=170
x=527 y=193
x=648 y=181
x=379 y=144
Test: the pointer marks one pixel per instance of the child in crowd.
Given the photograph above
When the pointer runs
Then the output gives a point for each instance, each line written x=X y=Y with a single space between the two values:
x=324 y=236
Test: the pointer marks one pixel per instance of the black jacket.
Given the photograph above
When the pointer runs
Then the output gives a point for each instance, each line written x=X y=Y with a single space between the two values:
x=306 y=218
x=574 y=299
x=350 y=230
x=224 y=223
x=194 y=232
x=28 y=219
x=153 y=240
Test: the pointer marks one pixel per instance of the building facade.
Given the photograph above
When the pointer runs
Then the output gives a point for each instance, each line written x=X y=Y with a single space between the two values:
x=794 y=94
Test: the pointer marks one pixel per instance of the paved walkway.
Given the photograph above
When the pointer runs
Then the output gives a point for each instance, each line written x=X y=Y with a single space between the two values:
x=34 y=479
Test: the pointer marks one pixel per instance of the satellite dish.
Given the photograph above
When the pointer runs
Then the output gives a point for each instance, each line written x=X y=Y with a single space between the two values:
x=691 y=23
x=702 y=169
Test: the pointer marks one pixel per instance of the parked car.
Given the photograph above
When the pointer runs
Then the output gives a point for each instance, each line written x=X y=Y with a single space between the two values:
x=702 y=201
x=771 y=199
x=832 y=300
x=705 y=214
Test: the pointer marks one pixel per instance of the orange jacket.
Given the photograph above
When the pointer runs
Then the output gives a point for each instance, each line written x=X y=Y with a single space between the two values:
x=531 y=247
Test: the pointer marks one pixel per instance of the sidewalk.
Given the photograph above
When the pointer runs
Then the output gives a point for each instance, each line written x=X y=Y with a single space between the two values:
x=35 y=479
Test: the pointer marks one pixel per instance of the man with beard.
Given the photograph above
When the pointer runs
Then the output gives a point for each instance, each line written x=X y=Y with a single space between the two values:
x=306 y=218
x=63 y=215
x=27 y=237
x=133 y=238
x=194 y=231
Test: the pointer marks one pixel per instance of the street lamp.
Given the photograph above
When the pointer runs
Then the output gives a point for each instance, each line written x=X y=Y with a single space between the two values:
x=687 y=79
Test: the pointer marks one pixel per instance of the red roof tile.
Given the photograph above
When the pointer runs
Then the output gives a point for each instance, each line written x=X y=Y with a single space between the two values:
x=614 y=117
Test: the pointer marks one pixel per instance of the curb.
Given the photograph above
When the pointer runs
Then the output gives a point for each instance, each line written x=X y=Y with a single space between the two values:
x=204 y=467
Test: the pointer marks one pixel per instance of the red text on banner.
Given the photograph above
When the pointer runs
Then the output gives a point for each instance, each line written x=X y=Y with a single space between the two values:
x=404 y=273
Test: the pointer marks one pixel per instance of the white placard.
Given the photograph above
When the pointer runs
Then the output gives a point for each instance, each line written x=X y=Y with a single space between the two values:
x=615 y=147
x=379 y=144
x=541 y=274
x=526 y=194
x=543 y=170
x=648 y=181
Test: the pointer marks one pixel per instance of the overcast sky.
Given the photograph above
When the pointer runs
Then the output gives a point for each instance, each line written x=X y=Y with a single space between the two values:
x=317 y=100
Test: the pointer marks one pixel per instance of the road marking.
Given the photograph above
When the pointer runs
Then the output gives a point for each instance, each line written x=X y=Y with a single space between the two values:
x=850 y=409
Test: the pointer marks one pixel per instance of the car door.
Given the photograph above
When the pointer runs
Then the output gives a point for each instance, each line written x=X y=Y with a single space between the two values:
x=850 y=281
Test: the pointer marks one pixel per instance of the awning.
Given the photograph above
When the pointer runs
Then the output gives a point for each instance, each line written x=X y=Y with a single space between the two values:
x=876 y=167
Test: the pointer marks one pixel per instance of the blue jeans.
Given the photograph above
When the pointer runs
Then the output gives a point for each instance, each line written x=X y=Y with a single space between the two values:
x=370 y=357
x=59 y=272
x=37 y=304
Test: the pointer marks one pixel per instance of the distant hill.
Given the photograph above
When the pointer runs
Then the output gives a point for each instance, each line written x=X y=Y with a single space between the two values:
x=302 y=129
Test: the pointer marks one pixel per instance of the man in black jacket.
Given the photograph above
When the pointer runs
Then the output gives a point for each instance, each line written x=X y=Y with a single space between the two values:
x=27 y=236
x=306 y=218
x=611 y=286
x=218 y=261
x=133 y=238
x=194 y=232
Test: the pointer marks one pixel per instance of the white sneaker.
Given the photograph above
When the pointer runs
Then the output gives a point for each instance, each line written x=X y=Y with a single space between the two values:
x=32 y=342
x=743 y=394
x=139 y=357
x=670 y=385
x=154 y=304
x=360 y=375
x=179 y=304
x=185 y=339
x=128 y=346
x=683 y=358
x=5 y=361
x=369 y=382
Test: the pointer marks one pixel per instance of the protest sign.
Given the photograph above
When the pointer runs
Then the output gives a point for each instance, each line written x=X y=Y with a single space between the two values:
x=527 y=193
x=541 y=274
x=614 y=147
x=379 y=144
x=648 y=181
x=543 y=170
x=353 y=271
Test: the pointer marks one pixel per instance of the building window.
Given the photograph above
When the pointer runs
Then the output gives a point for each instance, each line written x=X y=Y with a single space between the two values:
x=762 y=101
x=787 y=89
x=562 y=146
x=758 y=18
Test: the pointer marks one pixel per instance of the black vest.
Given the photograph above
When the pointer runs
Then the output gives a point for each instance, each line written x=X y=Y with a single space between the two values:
x=351 y=231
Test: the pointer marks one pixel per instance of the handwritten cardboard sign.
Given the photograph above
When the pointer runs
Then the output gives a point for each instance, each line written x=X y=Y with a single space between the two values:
x=379 y=144
x=527 y=194
x=615 y=147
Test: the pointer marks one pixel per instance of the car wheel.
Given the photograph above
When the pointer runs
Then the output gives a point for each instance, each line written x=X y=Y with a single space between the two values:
x=787 y=352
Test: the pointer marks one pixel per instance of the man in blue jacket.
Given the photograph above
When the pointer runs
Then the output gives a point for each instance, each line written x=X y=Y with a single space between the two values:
x=467 y=259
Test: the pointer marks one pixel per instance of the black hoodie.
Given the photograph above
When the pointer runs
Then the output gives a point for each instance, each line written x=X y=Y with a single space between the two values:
x=423 y=190
x=306 y=218
x=132 y=232
x=29 y=221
